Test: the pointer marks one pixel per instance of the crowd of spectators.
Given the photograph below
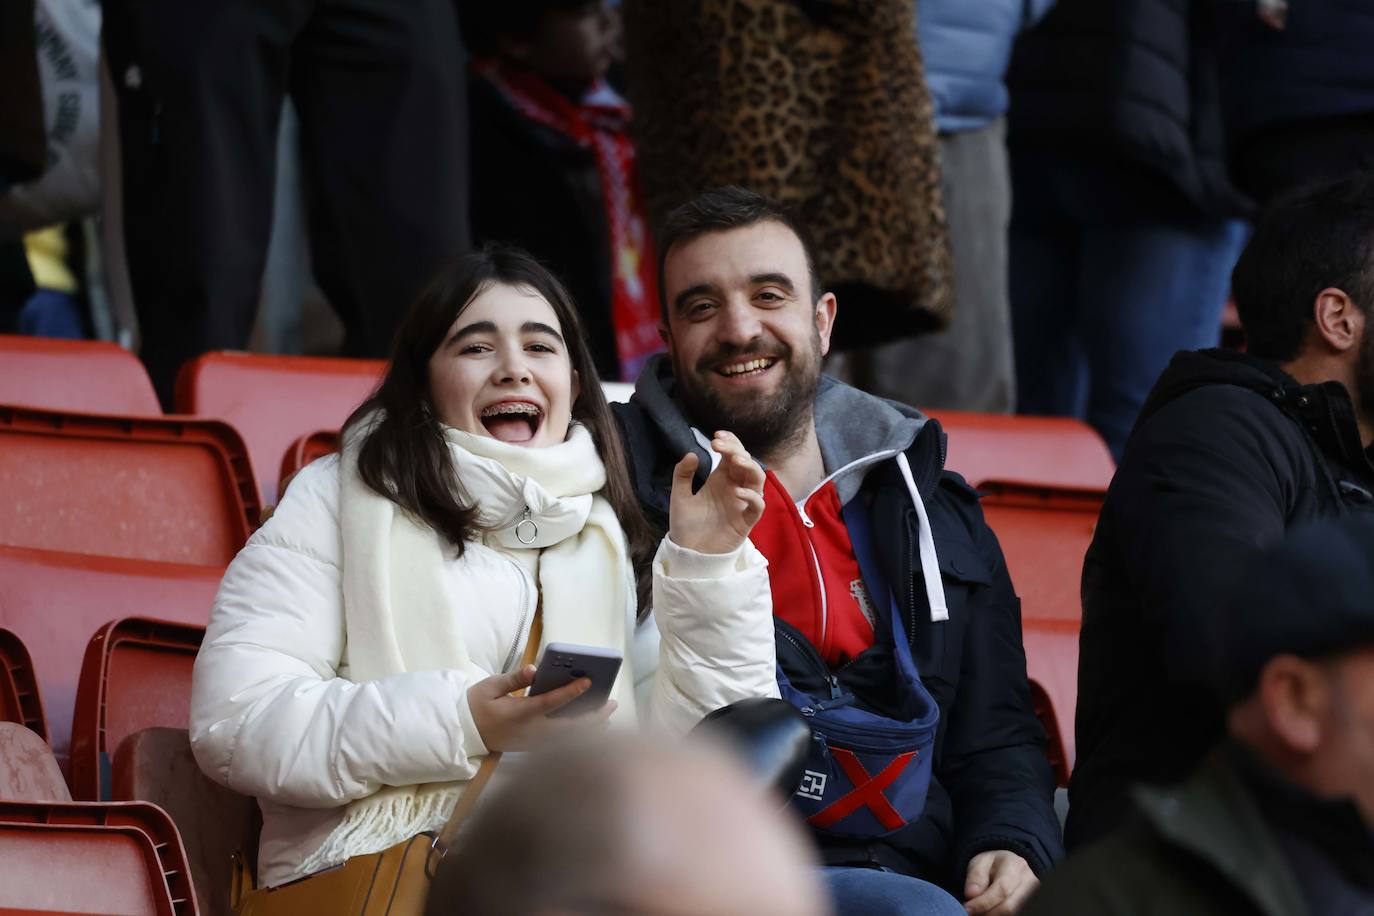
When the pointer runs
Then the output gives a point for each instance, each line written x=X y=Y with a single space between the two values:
x=1037 y=206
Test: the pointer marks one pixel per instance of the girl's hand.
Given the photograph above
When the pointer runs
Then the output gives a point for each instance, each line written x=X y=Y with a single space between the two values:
x=518 y=723
x=719 y=516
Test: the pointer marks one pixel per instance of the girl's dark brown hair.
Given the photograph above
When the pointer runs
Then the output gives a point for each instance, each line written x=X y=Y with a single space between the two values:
x=404 y=456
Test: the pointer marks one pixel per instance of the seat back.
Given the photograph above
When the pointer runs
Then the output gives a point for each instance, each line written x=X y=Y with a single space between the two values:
x=90 y=376
x=274 y=400
x=1044 y=533
x=54 y=601
x=92 y=858
x=1041 y=451
x=156 y=765
x=20 y=700
x=168 y=489
x=304 y=450
x=28 y=770
x=136 y=675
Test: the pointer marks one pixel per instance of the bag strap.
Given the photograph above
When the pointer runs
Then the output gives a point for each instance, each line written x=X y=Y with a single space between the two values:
x=468 y=800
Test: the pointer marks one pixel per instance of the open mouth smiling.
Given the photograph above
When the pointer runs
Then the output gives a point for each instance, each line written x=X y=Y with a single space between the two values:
x=512 y=421
x=747 y=369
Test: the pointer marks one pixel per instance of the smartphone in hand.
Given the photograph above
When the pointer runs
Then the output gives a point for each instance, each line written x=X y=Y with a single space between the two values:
x=563 y=663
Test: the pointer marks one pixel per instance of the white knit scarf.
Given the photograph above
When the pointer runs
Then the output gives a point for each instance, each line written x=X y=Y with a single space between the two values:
x=398 y=617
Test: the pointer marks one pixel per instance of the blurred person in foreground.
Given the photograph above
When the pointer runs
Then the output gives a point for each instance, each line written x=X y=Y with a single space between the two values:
x=895 y=616
x=1231 y=451
x=554 y=168
x=1279 y=819
x=628 y=827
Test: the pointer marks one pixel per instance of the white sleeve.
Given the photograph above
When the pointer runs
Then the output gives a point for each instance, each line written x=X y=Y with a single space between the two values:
x=714 y=614
x=270 y=717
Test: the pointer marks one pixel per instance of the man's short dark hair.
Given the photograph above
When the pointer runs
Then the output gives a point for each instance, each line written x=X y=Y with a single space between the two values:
x=1304 y=242
x=721 y=209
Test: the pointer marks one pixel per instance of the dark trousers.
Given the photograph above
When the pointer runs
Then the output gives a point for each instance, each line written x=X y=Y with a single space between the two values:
x=378 y=85
x=1104 y=292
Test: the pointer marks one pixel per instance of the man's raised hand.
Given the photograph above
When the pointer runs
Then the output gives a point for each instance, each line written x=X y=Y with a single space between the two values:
x=719 y=516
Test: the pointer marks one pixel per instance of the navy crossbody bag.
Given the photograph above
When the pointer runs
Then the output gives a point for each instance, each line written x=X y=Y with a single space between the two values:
x=866 y=774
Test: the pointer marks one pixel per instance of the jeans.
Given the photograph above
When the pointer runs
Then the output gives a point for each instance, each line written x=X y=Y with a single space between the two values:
x=1102 y=300
x=872 y=892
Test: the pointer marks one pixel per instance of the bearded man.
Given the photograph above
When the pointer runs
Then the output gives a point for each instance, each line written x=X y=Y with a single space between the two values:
x=898 y=631
x=1230 y=452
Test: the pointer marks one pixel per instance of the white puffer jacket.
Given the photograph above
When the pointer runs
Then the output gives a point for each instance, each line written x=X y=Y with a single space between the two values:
x=274 y=715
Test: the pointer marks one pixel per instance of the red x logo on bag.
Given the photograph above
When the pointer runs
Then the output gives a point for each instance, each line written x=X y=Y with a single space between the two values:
x=867 y=791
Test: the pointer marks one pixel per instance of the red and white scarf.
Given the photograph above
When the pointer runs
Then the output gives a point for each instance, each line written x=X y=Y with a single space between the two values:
x=600 y=123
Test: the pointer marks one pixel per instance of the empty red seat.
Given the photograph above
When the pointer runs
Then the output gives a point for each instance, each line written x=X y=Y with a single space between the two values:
x=28 y=770
x=136 y=675
x=274 y=400
x=54 y=601
x=1044 y=533
x=176 y=490
x=20 y=700
x=83 y=375
x=1045 y=451
x=123 y=858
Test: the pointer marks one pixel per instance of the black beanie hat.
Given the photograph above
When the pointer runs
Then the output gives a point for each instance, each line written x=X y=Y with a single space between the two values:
x=1311 y=596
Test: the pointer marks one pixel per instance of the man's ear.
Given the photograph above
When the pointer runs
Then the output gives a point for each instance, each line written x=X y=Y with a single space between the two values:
x=665 y=335
x=1296 y=696
x=1339 y=320
x=825 y=320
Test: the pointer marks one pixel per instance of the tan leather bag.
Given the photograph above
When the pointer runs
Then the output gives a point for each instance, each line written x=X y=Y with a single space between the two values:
x=393 y=882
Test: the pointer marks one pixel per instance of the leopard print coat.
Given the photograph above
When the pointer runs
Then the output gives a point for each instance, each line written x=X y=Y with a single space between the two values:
x=821 y=104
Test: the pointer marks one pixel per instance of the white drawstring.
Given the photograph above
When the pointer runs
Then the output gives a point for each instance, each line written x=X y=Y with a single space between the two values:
x=930 y=563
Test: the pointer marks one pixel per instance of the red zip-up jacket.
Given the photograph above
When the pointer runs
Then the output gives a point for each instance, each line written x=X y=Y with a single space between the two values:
x=815 y=578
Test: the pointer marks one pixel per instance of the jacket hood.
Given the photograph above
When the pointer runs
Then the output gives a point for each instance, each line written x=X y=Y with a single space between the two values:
x=851 y=425
x=1192 y=369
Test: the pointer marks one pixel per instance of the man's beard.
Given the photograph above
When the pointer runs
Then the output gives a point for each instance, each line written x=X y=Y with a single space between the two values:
x=1364 y=376
x=762 y=423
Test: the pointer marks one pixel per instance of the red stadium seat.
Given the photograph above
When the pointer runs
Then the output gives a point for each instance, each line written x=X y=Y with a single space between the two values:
x=20 y=700
x=175 y=490
x=1044 y=451
x=274 y=400
x=123 y=858
x=1044 y=533
x=136 y=675
x=83 y=375
x=304 y=450
x=156 y=765
x=54 y=601
x=28 y=770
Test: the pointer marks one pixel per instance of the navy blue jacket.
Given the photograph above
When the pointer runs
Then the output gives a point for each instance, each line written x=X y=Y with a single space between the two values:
x=991 y=787
x=967 y=46
x=1321 y=65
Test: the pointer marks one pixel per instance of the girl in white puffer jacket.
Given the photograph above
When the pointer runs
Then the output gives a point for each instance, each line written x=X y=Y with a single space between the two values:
x=362 y=651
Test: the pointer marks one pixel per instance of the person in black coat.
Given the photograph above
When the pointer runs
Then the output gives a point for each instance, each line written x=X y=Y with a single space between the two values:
x=1121 y=236
x=1231 y=451
x=747 y=329
x=1298 y=92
